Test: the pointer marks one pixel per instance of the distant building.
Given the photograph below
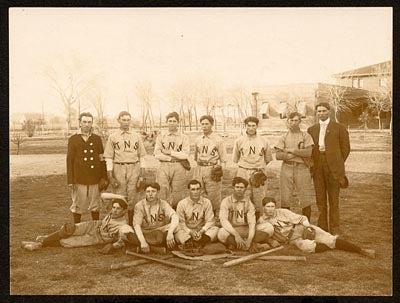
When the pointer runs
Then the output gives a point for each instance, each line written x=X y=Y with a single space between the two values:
x=371 y=77
x=273 y=103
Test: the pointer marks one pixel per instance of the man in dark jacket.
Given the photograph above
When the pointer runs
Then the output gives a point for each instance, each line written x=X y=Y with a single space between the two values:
x=85 y=169
x=330 y=151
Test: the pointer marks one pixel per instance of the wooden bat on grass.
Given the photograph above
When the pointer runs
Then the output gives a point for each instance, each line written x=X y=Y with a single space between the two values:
x=165 y=262
x=250 y=257
x=134 y=263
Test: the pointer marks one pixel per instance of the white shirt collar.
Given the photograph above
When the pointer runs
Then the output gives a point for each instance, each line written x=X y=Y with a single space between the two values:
x=326 y=122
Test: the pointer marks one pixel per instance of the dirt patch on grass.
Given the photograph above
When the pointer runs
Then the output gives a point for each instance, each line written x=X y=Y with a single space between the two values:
x=40 y=205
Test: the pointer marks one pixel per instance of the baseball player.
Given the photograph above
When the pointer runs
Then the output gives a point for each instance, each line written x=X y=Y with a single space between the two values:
x=238 y=220
x=85 y=169
x=172 y=148
x=252 y=153
x=209 y=154
x=196 y=219
x=295 y=148
x=124 y=154
x=292 y=226
x=112 y=229
x=154 y=221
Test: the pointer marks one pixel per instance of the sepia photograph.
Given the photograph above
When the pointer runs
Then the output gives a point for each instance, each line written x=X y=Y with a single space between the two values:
x=201 y=151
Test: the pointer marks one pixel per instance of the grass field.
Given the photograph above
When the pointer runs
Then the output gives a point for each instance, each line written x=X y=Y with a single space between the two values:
x=40 y=205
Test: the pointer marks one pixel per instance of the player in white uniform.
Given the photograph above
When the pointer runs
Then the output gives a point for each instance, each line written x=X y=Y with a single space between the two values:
x=252 y=153
x=196 y=218
x=238 y=220
x=171 y=149
x=124 y=154
x=209 y=151
x=292 y=225
x=154 y=221
x=295 y=148
x=112 y=229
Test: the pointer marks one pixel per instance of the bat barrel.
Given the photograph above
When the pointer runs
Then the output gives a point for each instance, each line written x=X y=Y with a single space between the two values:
x=173 y=264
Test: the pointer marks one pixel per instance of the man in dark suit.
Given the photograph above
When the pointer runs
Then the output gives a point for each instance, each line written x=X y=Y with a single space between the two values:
x=330 y=151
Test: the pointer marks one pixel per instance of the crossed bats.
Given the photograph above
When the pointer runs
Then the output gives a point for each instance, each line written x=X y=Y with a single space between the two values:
x=165 y=260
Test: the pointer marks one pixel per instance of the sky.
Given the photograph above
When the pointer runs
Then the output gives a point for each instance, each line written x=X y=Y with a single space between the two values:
x=229 y=46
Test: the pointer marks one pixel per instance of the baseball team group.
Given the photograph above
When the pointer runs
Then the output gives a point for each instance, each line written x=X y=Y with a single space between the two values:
x=183 y=208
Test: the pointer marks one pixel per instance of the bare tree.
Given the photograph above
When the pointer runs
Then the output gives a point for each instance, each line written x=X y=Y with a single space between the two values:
x=17 y=138
x=241 y=100
x=381 y=100
x=70 y=81
x=145 y=94
x=339 y=100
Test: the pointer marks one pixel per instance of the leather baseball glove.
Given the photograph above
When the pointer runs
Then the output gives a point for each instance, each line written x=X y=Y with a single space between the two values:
x=308 y=233
x=257 y=179
x=216 y=173
x=141 y=184
x=278 y=236
x=186 y=164
x=193 y=252
x=103 y=184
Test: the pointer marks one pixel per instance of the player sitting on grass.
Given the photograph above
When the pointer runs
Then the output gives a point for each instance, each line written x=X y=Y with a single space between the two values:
x=154 y=222
x=196 y=219
x=112 y=229
x=238 y=220
x=295 y=229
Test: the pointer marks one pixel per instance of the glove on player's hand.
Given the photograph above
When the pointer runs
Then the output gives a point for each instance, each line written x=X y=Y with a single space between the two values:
x=257 y=179
x=193 y=252
x=186 y=164
x=216 y=173
x=108 y=249
x=308 y=233
x=278 y=236
x=103 y=184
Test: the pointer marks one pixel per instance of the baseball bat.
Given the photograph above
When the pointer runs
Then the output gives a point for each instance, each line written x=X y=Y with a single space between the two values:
x=276 y=258
x=250 y=257
x=165 y=262
x=133 y=263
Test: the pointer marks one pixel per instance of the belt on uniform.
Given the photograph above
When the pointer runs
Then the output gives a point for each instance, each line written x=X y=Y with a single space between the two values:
x=255 y=169
x=172 y=161
x=292 y=163
x=205 y=164
x=125 y=163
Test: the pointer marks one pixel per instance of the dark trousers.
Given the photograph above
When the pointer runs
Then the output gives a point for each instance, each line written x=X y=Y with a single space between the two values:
x=327 y=191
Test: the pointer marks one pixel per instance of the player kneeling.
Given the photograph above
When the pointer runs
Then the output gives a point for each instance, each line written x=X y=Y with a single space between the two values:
x=196 y=219
x=295 y=229
x=112 y=230
x=154 y=222
x=238 y=220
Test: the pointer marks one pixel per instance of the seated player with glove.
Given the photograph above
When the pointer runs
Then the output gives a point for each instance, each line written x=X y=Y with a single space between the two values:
x=196 y=219
x=238 y=220
x=112 y=230
x=154 y=222
x=292 y=228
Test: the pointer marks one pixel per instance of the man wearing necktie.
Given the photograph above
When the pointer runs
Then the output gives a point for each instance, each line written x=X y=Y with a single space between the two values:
x=330 y=151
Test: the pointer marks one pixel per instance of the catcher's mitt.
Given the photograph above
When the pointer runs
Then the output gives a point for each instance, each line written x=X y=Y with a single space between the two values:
x=186 y=164
x=141 y=184
x=278 y=236
x=216 y=173
x=214 y=248
x=193 y=252
x=257 y=179
x=308 y=233
x=103 y=184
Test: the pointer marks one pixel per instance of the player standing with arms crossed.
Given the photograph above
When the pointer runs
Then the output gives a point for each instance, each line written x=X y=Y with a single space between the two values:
x=172 y=149
x=210 y=155
x=252 y=153
x=86 y=171
x=124 y=154
x=295 y=148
